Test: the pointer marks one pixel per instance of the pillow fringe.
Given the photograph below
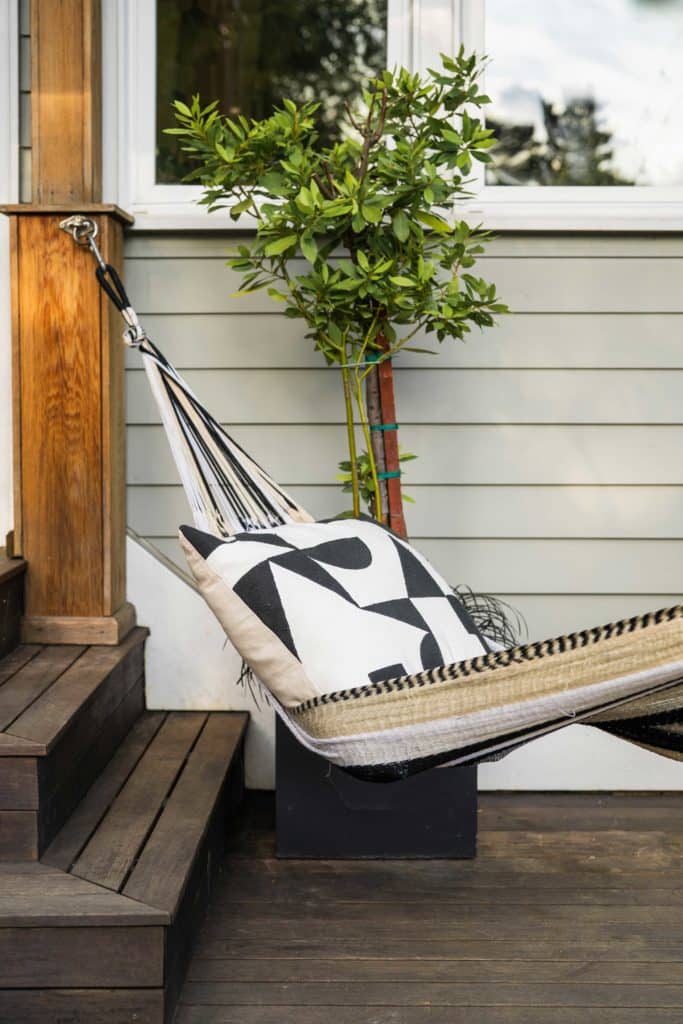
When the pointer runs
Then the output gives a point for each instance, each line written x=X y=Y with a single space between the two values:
x=494 y=618
x=253 y=686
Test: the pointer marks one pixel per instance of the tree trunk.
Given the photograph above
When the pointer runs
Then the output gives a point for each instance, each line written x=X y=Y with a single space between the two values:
x=385 y=411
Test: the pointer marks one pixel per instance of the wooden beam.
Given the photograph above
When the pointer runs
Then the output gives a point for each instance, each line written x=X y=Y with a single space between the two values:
x=69 y=431
x=66 y=101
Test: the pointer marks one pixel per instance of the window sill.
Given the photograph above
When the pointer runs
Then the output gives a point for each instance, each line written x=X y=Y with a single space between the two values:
x=582 y=216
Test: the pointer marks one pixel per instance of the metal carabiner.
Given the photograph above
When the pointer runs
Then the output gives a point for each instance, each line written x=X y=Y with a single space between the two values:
x=84 y=231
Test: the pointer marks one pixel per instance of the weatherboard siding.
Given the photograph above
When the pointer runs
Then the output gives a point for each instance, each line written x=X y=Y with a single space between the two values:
x=549 y=466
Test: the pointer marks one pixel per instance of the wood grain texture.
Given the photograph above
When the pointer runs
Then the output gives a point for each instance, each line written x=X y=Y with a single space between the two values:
x=61 y=444
x=83 y=629
x=425 y=1015
x=90 y=957
x=68 y=432
x=84 y=1006
x=112 y=851
x=12 y=662
x=19 y=790
x=69 y=770
x=570 y=912
x=113 y=429
x=92 y=687
x=66 y=101
x=34 y=679
x=18 y=835
x=160 y=875
x=87 y=816
x=36 y=896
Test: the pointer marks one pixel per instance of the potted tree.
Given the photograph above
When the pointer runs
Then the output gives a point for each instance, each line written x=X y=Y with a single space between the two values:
x=362 y=239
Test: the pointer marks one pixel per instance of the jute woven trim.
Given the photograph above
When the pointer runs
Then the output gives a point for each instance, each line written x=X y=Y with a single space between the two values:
x=527 y=673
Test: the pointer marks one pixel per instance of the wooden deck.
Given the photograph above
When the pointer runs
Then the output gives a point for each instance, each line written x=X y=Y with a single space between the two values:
x=571 y=914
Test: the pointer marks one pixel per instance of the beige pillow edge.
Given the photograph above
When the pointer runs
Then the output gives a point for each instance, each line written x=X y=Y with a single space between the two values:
x=263 y=650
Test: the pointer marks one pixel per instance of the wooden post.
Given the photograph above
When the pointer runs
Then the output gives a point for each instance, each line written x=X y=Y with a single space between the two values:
x=66 y=72
x=69 y=431
x=68 y=354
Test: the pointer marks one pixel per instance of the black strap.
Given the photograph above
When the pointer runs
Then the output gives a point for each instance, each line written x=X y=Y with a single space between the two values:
x=113 y=287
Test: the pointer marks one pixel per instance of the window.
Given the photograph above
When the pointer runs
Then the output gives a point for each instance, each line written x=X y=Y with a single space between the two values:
x=585 y=95
x=251 y=53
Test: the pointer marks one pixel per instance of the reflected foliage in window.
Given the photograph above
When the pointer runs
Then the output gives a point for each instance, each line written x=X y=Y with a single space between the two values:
x=587 y=93
x=249 y=54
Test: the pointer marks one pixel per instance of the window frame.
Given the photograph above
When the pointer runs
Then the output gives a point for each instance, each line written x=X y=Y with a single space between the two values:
x=417 y=31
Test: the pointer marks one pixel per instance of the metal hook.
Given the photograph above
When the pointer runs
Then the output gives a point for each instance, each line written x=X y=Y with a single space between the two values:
x=84 y=231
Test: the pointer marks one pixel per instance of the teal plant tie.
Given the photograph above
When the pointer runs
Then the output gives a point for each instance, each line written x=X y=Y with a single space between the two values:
x=384 y=426
x=389 y=475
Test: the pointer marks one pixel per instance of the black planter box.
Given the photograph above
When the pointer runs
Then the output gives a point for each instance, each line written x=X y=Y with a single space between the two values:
x=323 y=812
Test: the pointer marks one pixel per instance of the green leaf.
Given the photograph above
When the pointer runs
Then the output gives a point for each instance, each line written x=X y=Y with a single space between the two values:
x=401 y=226
x=239 y=208
x=372 y=214
x=430 y=220
x=363 y=260
x=309 y=248
x=280 y=245
x=278 y=296
x=274 y=183
x=403 y=282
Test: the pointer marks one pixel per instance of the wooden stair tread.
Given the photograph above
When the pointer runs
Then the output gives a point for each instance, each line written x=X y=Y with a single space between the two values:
x=75 y=834
x=114 y=847
x=32 y=680
x=10 y=567
x=14 y=746
x=34 y=895
x=164 y=866
x=50 y=715
x=16 y=659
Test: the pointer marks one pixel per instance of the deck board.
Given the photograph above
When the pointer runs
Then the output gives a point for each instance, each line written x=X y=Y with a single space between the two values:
x=110 y=854
x=160 y=875
x=571 y=914
x=66 y=847
x=33 y=679
x=84 y=681
x=12 y=662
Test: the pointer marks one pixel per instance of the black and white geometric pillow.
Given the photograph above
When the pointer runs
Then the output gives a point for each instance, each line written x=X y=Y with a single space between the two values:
x=319 y=607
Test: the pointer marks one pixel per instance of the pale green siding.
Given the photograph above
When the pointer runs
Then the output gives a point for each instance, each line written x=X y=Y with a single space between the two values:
x=549 y=448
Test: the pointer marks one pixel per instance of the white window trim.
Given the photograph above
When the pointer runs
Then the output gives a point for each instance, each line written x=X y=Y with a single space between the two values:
x=418 y=30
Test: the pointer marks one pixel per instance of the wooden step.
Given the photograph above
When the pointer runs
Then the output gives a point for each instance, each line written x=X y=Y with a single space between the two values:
x=12 y=573
x=109 y=915
x=63 y=712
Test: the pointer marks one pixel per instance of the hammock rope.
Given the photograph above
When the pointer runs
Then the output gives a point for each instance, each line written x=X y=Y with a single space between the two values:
x=228 y=491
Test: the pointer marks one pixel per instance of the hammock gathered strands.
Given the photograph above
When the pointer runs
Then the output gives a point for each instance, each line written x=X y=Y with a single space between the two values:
x=625 y=678
x=228 y=492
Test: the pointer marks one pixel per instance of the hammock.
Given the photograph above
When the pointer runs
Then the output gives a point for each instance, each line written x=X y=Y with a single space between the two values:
x=625 y=677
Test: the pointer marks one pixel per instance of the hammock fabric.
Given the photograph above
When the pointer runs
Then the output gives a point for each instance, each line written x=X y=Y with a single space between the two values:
x=626 y=677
